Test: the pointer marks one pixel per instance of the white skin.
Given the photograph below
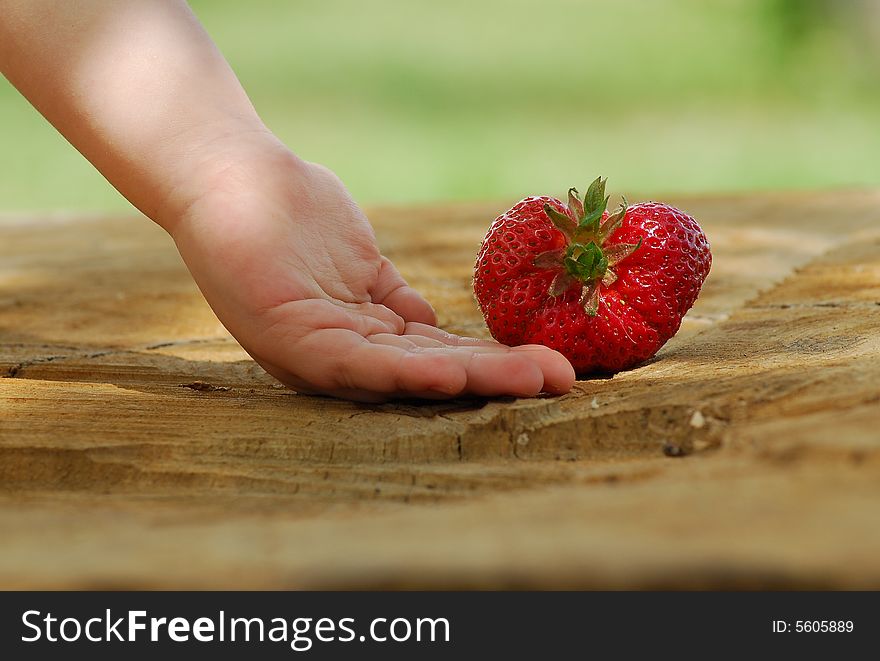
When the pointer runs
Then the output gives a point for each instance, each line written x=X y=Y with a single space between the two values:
x=285 y=258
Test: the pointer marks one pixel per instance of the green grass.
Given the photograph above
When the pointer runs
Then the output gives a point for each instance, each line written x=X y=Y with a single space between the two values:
x=418 y=101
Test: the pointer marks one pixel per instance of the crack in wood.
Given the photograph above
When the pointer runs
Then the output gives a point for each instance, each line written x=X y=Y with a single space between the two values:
x=201 y=386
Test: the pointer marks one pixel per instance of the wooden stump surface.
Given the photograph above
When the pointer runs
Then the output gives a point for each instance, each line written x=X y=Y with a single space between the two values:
x=140 y=447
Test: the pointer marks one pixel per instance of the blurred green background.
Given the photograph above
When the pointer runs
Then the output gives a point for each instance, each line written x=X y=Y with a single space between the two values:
x=462 y=99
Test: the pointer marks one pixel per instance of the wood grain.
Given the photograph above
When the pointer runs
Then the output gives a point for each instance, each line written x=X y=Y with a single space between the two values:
x=140 y=447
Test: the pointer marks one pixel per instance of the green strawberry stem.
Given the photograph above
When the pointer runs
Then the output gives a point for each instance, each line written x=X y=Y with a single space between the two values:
x=586 y=259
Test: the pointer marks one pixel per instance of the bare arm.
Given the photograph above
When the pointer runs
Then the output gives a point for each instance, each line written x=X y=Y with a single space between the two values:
x=137 y=86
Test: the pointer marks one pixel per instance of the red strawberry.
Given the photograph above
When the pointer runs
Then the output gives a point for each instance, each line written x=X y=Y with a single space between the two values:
x=607 y=291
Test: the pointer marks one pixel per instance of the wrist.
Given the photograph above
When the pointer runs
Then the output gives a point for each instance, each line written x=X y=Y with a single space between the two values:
x=234 y=161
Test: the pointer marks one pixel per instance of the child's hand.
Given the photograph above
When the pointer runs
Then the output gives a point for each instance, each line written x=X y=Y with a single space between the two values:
x=290 y=265
x=282 y=254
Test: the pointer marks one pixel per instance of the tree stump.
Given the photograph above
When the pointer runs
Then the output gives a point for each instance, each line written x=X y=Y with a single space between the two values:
x=140 y=447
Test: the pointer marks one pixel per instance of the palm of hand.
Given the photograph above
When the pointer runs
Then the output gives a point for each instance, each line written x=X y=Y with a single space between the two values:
x=294 y=273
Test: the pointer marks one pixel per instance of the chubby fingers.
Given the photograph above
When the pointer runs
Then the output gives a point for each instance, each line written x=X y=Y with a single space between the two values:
x=449 y=339
x=392 y=291
x=341 y=363
x=559 y=375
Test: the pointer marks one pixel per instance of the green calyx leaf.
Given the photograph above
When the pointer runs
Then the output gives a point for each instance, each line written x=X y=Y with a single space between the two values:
x=575 y=206
x=621 y=251
x=595 y=203
x=595 y=194
x=587 y=262
x=560 y=284
x=561 y=221
x=614 y=221
x=590 y=299
x=552 y=259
